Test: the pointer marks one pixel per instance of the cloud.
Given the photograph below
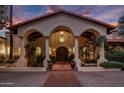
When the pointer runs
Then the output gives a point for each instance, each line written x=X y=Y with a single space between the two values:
x=101 y=12
x=21 y=13
x=53 y=8
x=114 y=23
x=110 y=14
x=17 y=20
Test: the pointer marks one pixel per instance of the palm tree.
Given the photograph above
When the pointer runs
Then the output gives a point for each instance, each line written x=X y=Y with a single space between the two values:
x=4 y=22
x=120 y=27
x=11 y=36
x=3 y=16
x=100 y=42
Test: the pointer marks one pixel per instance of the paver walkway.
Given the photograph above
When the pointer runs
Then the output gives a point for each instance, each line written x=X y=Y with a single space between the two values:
x=61 y=66
x=62 y=79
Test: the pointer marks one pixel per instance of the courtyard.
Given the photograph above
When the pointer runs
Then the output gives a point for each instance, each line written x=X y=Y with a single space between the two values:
x=62 y=79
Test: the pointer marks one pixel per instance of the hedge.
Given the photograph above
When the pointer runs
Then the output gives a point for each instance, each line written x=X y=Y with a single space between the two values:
x=111 y=64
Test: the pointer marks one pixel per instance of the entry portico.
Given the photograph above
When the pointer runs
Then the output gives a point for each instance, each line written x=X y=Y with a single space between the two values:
x=53 y=33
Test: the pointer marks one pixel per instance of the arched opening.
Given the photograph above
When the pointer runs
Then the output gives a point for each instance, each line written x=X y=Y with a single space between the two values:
x=88 y=51
x=62 y=54
x=61 y=43
x=34 y=48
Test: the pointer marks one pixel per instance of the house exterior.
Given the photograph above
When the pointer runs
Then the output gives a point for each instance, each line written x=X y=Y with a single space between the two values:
x=61 y=36
x=3 y=49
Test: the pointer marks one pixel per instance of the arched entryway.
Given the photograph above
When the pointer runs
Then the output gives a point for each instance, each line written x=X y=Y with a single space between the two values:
x=62 y=54
x=34 y=48
x=88 y=50
x=61 y=43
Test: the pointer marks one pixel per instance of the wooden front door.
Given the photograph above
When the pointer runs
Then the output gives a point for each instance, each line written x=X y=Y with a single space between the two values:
x=62 y=54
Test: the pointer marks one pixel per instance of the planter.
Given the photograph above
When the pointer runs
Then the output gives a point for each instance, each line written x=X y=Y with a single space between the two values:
x=12 y=65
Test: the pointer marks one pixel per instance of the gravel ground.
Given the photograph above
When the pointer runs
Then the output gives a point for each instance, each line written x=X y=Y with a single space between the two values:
x=101 y=79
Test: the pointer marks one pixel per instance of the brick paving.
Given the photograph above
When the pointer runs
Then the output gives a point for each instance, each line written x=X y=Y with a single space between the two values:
x=23 y=79
x=101 y=79
x=62 y=79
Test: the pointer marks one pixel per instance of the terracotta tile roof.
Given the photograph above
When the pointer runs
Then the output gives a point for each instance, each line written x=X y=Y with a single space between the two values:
x=115 y=40
x=3 y=37
x=65 y=12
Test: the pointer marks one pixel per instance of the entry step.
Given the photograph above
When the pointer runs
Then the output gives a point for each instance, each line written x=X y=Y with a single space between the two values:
x=61 y=66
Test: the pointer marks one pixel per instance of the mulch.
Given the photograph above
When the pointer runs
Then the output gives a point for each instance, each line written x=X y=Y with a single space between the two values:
x=62 y=79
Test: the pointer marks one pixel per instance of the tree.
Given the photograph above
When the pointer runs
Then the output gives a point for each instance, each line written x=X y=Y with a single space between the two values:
x=3 y=16
x=120 y=27
x=100 y=40
x=11 y=36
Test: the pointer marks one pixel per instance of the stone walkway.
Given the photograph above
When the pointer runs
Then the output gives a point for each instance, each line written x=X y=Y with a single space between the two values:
x=62 y=79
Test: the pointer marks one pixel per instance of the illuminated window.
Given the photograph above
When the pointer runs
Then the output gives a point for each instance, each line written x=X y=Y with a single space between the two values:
x=38 y=51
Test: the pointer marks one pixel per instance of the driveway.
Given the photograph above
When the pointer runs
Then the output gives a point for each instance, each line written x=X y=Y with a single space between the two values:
x=23 y=79
x=101 y=79
x=62 y=78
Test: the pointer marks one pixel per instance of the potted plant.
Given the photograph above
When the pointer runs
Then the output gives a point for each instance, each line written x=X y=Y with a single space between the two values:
x=50 y=64
x=39 y=60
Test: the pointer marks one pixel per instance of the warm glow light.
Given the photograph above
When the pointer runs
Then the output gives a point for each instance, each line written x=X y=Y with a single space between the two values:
x=73 y=50
x=61 y=39
x=2 y=49
x=69 y=49
x=8 y=50
x=19 y=52
x=50 y=51
x=61 y=33
x=38 y=51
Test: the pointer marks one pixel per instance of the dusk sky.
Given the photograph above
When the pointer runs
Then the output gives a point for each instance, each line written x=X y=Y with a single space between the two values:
x=105 y=13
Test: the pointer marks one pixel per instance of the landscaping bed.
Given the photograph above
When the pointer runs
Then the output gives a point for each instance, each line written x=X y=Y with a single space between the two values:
x=112 y=64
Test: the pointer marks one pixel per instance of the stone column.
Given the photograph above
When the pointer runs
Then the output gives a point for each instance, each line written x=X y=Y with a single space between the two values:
x=22 y=62
x=46 y=51
x=102 y=55
x=77 y=60
x=76 y=48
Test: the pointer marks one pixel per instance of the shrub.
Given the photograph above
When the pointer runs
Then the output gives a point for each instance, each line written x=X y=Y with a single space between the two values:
x=50 y=64
x=115 y=54
x=2 y=58
x=122 y=67
x=111 y=64
x=71 y=57
x=39 y=61
x=53 y=58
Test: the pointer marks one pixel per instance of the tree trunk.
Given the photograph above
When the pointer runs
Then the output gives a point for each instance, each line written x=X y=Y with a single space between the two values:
x=11 y=36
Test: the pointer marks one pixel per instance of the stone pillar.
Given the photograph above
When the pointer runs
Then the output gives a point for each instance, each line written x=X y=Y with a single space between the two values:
x=77 y=60
x=22 y=62
x=102 y=55
x=46 y=51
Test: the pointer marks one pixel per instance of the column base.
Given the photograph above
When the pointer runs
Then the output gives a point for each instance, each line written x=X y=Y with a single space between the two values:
x=22 y=62
x=99 y=61
x=45 y=63
x=78 y=62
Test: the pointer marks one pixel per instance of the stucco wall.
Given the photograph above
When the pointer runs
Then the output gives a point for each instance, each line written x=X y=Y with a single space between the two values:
x=77 y=25
x=16 y=43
